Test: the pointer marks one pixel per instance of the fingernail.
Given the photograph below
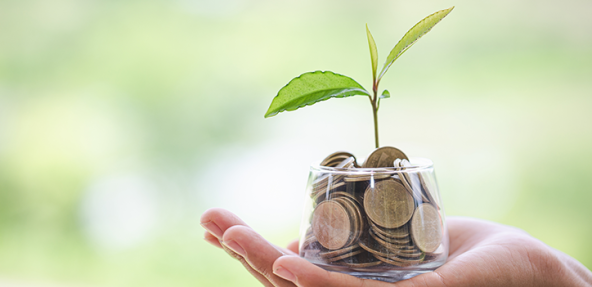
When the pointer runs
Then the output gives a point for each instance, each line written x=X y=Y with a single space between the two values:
x=213 y=228
x=284 y=273
x=234 y=247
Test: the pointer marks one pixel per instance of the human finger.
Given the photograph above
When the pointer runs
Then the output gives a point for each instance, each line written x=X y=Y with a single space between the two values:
x=247 y=266
x=293 y=246
x=258 y=252
x=208 y=237
x=218 y=220
x=303 y=273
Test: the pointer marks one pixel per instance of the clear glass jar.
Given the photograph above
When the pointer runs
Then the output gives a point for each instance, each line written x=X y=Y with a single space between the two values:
x=375 y=223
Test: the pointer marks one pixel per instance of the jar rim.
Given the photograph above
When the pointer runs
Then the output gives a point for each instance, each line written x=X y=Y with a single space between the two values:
x=417 y=164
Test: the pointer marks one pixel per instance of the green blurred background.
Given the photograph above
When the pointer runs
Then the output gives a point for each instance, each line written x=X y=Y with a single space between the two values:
x=122 y=121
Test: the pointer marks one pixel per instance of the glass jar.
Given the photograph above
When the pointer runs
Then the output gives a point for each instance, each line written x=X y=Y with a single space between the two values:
x=375 y=223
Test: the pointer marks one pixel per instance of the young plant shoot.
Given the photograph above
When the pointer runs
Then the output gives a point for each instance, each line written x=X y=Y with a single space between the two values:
x=313 y=87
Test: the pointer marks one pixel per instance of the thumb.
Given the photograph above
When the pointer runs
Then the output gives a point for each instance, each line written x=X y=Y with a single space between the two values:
x=303 y=273
x=432 y=279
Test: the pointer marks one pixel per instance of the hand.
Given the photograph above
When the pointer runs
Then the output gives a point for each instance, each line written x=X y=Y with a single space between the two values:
x=482 y=253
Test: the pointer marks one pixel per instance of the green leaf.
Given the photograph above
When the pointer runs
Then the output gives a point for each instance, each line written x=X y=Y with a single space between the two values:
x=420 y=29
x=385 y=95
x=313 y=87
x=373 y=53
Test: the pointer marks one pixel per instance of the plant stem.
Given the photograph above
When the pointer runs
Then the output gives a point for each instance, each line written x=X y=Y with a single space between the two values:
x=375 y=112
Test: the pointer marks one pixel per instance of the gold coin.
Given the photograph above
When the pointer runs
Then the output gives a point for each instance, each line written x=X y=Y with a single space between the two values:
x=411 y=186
x=399 y=263
x=377 y=249
x=330 y=181
x=338 y=154
x=388 y=204
x=388 y=245
x=337 y=160
x=413 y=180
x=429 y=190
x=426 y=228
x=394 y=247
x=346 y=255
x=409 y=253
x=383 y=157
x=357 y=215
x=397 y=233
x=346 y=163
x=369 y=246
x=343 y=162
x=354 y=221
x=333 y=187
x=334 y=253
x=356 y=178
x=404 y=241
x=331 y=225
x=324 y=180
x=345 y=194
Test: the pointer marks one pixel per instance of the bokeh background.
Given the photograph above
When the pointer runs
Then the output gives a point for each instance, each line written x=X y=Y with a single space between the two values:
x=122 y=121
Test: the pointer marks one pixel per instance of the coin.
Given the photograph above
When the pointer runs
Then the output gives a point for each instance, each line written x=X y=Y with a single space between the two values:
x=354 y=220
x=345 y=194
x=401 y=232
x=396 y=262
x=336 y=155
x=363 y=219
x=327 y=187
x=352 y=178
x=383 y=157
x=379 y=250
x=331 y=225
x=317 y=193
x=334 y=253
x=327 y=179
x=411 y=186
x=344 y=163
x=388 y=204
x=357 y=215
x=346 y=255
x=404 y=241
x=388 y=245
x=369 y=246
x=429 y=190
x=426 y=228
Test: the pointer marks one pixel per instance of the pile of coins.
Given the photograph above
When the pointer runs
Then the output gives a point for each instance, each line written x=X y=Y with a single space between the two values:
x=384 y=217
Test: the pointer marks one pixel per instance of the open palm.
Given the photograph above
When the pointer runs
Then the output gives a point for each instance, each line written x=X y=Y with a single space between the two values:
x=482 y=253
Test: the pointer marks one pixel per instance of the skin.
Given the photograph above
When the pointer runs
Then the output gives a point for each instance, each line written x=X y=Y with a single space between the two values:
x=482 y=253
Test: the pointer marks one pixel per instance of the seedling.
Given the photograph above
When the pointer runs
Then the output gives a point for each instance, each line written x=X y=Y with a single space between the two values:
x=313 y=87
